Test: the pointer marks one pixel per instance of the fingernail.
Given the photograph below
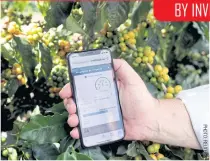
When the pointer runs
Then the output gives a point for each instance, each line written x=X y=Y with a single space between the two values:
x=71 y=132
x=67 y=106
x=65 y=101
x=60 y=94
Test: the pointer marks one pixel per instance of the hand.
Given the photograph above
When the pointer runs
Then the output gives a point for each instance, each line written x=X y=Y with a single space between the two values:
x=136 y=102
x=145 y=118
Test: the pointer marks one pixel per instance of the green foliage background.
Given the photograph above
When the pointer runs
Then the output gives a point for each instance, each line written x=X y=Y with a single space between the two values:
x=35 y=118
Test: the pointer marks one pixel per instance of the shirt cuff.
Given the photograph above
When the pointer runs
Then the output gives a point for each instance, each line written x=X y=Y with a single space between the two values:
x=196 y=101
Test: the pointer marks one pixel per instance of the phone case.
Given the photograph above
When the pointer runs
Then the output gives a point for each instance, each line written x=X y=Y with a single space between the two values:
x=73 y=91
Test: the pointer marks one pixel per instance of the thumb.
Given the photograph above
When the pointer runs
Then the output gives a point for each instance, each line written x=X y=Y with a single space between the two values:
x=125 y=73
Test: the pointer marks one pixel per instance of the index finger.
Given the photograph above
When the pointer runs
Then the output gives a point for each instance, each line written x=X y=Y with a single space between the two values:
x=66 y=91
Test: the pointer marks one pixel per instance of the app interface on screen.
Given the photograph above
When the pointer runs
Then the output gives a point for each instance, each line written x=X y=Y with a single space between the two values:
x=97 y=98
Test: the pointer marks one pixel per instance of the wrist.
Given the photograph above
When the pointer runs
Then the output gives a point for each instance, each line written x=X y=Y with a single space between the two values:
x=161 y=118
x=171 y=124
x=141 y=127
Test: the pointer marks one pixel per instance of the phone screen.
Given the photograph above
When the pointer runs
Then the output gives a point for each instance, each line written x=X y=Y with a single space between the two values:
x=96 y=97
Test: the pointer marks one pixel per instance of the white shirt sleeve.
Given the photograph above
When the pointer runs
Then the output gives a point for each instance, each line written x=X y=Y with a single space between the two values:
x=196 y=101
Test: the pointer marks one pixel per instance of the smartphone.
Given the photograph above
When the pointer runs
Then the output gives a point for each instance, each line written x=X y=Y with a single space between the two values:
x=96 y=96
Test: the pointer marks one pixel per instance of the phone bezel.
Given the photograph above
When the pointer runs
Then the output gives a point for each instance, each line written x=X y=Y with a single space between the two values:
x=74 y=89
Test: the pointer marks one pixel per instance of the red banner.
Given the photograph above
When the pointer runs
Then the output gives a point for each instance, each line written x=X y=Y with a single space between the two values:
x=182 y=10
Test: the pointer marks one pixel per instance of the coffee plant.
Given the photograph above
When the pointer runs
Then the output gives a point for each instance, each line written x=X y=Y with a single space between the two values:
x=35 y=38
